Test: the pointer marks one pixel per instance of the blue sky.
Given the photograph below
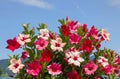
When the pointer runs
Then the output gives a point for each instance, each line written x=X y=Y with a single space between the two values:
x=101 y=13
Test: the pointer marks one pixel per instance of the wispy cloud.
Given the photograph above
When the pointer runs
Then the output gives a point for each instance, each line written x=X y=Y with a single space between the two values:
x=35 y=3
x=115 y=3
x=82 y=12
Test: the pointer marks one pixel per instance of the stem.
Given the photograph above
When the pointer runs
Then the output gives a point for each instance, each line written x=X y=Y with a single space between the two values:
x=53 y=77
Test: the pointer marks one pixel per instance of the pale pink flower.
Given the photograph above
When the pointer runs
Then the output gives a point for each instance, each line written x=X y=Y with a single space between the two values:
x=15 y=65
x=105 y=35
x=89 y=68
x=44 y=33
x=54 y=69
x=57 y=44
x=73 y=57
x=23 y=39
x=74 y=39
x=103 y=61
x=41 y=44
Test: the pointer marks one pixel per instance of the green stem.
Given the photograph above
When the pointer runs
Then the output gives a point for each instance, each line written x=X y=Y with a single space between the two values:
x=53 y=77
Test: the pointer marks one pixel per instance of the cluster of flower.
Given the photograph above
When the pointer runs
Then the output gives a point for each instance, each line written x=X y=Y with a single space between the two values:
x=66 y=55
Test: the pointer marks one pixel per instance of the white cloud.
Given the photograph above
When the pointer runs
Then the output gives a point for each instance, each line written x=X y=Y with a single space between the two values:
x=115 y=3
x=36 y=3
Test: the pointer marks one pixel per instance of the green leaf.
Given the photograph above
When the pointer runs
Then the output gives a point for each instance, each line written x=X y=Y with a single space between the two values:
x=61 y=21
x=32 y=31
x=26 y=31
x=80 y=31
x=42 y=26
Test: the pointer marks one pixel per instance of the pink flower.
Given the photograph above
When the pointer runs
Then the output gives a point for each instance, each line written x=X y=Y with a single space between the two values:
x=23 y=39
x=12 y=44
x=46 y=56
x=57 y=44
x=34 y=68
x=105 y=35
x=93 y=32
x=24 y=55
x=15 y=65
x=74 y=39
x=89 y=68
x=41 y=44
x=108 y=69
x=87 y=46
x=54 y=69
x=73 y=75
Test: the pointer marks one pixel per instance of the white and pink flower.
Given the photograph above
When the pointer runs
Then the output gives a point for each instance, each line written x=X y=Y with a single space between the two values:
x=44 y=33
x=41 y=44
x=23 y=39
x=117 y=60
x=15 y=65
x=103 y=61
x=57 y=44
x=54 y=69
x=105 y=35
x=73 y=57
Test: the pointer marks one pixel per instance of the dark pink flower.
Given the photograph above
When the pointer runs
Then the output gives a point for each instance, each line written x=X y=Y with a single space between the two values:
x=54 y=69
x=72 y=25
x=73 y=75
x=87 y=46
x=74 y=39
x=84 y=28
x=46 y=56
x=65 y=30
x=12 y=44
x=89 y=68
x=34 y=68
x=51 y=35
x=108 y=69
x=24 y=55
x=41 y=44
x=93 y=32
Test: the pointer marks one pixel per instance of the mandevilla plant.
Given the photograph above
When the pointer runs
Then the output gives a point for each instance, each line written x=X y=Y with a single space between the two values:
x=74 y=53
